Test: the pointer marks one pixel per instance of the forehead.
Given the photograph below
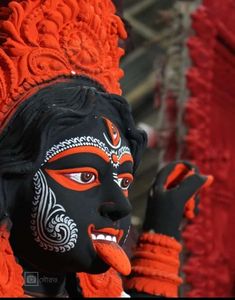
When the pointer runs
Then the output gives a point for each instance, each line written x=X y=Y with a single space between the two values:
x=92 y=125
x=95 y=132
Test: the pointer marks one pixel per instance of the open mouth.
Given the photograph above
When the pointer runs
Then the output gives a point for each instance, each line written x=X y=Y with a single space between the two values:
x=106 y=244
x=105 y=234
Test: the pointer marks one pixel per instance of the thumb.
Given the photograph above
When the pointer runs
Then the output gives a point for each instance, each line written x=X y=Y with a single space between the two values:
x=191 y=185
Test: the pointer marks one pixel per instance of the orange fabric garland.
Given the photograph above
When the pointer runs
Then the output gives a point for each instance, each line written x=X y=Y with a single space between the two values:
x=108 y=284
x=155 y=266
x=11 y=279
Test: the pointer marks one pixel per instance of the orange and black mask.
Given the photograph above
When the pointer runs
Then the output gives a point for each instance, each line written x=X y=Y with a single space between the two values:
x=77 y=199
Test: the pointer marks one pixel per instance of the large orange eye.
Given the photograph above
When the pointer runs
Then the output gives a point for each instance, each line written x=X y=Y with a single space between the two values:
x=82 y=177
x=124 y=181
x=79 y=179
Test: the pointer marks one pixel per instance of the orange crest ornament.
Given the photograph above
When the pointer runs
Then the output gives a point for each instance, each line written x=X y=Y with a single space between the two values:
x=41 y=40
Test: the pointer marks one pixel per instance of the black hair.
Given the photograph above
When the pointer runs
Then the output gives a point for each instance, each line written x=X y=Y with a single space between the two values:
x=25 y=140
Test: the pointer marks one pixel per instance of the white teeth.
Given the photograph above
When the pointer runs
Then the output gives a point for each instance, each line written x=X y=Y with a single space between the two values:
x=105 y=237
x=100 y=237
x=108 y=238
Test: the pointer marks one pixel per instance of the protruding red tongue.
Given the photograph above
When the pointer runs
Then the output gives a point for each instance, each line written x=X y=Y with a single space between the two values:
x=112 y=254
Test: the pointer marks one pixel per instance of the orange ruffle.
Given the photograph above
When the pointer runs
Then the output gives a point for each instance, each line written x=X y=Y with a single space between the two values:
x=155 y=266
x=11 y=279
x=108 y=284
x=45 y=40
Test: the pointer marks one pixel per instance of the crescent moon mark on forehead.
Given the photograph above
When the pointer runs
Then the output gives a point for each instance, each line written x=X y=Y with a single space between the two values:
x=114 y=140
x=110 y=144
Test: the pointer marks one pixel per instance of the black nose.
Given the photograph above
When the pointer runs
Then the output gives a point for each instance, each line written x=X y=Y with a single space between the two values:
x=115 y=211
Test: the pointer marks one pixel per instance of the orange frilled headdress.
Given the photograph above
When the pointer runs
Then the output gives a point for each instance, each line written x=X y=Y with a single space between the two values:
x=41 y=40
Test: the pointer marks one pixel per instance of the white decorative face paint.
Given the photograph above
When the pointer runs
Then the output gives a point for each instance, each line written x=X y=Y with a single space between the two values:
x=115 y=155
x=51 y=228
x=110 y=144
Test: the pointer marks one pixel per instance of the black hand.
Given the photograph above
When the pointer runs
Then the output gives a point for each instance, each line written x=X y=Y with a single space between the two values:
x=165 y=207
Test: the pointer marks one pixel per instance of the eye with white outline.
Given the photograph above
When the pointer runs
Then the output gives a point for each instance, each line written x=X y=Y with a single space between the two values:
x=124 y=181
x=76 y=179
x=82 y=177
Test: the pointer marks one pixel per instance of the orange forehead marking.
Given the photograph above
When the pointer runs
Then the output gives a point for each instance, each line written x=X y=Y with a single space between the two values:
x=114 y=158
x=82 y=149
x=113 y=132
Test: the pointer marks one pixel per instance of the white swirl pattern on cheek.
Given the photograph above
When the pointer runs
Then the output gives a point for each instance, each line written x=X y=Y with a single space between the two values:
x=51 y=228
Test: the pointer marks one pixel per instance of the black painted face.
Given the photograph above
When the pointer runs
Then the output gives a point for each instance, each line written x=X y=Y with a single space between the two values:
x=77 y=205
